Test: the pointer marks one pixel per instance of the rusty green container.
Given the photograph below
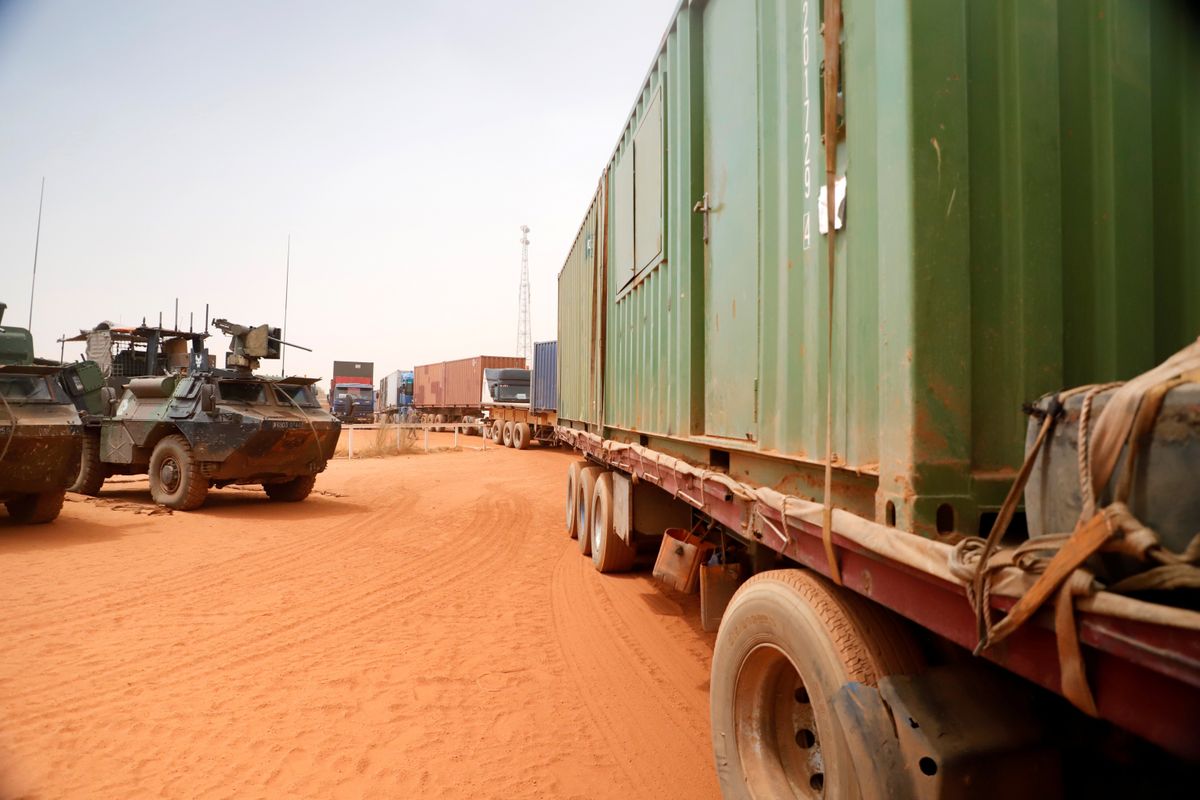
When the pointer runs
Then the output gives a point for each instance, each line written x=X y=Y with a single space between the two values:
x=1021 y=213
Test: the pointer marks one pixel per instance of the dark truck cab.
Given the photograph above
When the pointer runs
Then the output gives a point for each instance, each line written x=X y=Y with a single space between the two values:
x=353 y=403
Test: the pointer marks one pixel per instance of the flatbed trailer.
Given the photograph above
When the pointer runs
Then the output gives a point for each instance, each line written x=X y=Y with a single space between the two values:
x=816 y=407
x=1143 y=659
x=517 y=425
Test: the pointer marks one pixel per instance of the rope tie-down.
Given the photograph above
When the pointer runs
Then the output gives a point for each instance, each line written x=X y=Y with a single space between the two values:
x=1059 y=559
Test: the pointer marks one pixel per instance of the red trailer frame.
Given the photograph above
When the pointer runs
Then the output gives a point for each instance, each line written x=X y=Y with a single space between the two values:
x=1144 y=674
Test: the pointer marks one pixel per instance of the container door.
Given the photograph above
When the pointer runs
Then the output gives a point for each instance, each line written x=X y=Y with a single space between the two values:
x=730 y=76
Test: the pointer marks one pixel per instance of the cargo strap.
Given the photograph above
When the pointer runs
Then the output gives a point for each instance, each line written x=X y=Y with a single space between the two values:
x=1059 y=559
x=832 y=34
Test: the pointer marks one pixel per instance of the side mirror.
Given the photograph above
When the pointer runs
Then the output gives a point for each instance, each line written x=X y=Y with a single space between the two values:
x=208 y=398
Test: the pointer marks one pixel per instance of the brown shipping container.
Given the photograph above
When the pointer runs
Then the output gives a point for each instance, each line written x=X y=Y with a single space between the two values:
x=456 y=384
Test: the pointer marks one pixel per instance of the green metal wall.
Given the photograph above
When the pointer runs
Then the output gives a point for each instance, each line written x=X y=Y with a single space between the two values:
x=1023 y=206
x=580 y=311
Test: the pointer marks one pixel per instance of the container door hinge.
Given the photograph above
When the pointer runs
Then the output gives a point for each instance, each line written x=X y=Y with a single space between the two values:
x=756 y=400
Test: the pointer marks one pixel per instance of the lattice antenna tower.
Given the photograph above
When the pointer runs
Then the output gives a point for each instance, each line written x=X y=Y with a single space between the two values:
x=524 y=335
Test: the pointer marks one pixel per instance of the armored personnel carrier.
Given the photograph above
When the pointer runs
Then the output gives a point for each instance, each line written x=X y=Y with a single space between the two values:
x=40 y=429
x=197 y=426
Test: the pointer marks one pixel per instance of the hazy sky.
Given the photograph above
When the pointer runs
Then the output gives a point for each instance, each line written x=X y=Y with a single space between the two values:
x=401 y=144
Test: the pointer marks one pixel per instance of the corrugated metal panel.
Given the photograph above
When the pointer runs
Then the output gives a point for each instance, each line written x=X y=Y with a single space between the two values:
x=456 y=384
x=545 y=376
x=580 y=322
x=356 y=369
x=1022 y=186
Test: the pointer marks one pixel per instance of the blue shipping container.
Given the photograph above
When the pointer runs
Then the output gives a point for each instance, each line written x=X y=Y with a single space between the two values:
x=545 y=376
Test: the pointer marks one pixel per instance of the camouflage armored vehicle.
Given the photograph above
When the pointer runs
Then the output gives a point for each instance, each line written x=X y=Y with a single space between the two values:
x=40 y=429
x=198 y=426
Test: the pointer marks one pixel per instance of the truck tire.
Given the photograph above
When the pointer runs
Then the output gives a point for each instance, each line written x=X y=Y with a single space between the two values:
x=292 y=491
x=572 y=500
x=36 y=509
x=497 y=432
x=521 y=435
x=788 y=641
x=92 y=471
x=508 y=434
x=175 y=478
x=438 y=420
x=609 y=552
x=583 y=507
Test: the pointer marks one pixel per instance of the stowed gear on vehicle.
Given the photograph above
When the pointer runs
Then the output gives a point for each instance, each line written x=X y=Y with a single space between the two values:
x=200 y=427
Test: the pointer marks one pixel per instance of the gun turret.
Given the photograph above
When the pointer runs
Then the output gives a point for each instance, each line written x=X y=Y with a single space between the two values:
x=247 y=345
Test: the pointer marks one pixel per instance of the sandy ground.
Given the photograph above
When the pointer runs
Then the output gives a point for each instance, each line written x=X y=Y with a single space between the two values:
x=422 y=627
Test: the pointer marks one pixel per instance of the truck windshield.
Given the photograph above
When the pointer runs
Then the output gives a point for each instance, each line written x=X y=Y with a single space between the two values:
x=26 y=388
x=303 y=396
x=243 y=392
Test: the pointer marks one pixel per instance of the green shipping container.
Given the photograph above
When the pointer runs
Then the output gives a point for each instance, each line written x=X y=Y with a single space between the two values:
x=1021 y=213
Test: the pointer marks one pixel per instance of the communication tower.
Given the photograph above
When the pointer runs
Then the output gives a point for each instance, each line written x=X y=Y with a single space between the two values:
x=524 y=336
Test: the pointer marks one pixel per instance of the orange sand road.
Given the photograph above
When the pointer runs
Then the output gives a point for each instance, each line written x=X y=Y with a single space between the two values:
x=421 y=628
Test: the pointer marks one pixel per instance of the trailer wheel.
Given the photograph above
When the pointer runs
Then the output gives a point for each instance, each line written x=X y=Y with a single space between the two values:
x=498 y=432
x=609 y=553
x=520 y=435
x=91 y=469
x=572 y=503
x=175 y=478
x=438 y=419
x=36 y=509
x=583 y=507
x=788 y=641
x=508 y=434
x=292 y=491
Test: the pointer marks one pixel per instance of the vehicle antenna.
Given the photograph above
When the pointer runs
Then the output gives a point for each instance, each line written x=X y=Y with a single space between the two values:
x=37 y=240
x=191 y=321
x=176 y=326
x=206 y=317
x=287 y=275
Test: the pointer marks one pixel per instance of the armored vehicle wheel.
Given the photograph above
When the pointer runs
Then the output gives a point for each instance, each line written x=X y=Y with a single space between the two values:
x=36 y=509
x=508 y=434
x=91 y=469
x=788 y=642
x=292 y=491
x=498 y=432
x=583 y=507
x=609 y=552
x=520 y=436
x=175 y=478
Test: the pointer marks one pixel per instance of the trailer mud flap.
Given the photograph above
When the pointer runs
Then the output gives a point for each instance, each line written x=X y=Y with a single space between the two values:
x=961 y=731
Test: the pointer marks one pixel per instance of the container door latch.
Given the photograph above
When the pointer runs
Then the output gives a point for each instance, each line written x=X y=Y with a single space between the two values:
x=702 y=207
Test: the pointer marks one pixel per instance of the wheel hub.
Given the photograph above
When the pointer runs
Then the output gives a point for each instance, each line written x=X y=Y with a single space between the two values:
x=597 y=531
x=776 y=728
x=168 y=474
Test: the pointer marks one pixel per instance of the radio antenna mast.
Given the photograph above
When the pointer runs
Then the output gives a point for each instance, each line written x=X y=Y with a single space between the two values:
x=287 y=276
x=524 y=336
x=37 y=240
